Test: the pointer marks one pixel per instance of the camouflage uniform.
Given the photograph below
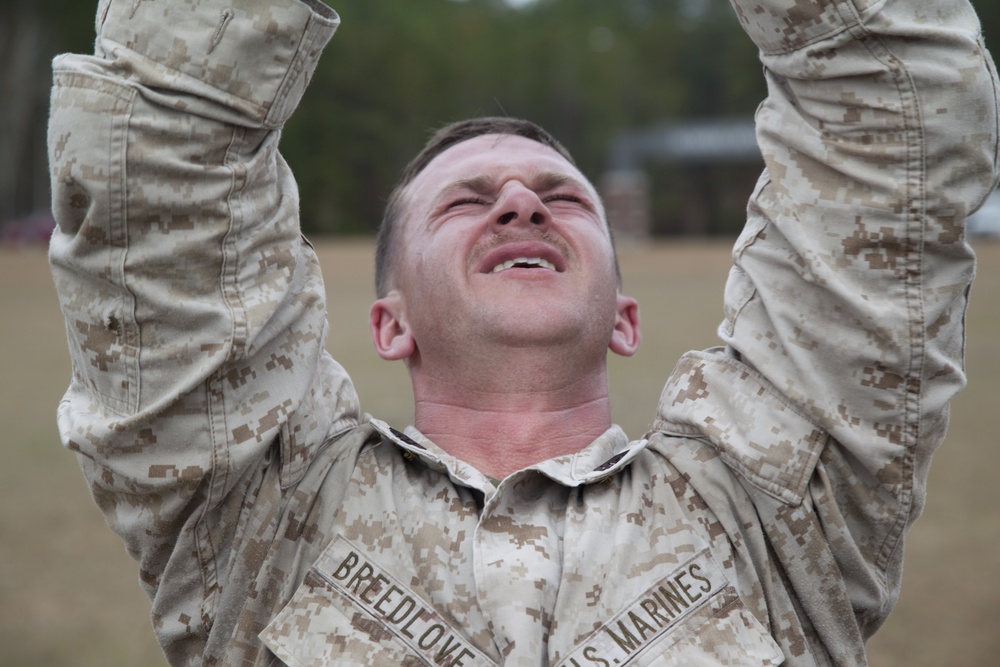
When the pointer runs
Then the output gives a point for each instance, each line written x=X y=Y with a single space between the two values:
x=760 y=521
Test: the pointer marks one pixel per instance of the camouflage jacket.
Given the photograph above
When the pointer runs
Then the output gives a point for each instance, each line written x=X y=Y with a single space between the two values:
x=762 y=519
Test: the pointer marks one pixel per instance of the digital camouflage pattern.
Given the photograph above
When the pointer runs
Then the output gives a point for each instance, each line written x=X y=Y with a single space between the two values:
x=760 y=522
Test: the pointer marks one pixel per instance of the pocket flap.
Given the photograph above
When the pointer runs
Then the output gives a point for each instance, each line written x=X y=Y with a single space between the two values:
x=350 y=611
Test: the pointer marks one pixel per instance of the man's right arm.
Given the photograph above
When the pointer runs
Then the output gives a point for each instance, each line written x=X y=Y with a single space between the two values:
x=194 y=309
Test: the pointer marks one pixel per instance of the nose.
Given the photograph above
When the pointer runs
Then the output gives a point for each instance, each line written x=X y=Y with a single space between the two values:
x=519 y=204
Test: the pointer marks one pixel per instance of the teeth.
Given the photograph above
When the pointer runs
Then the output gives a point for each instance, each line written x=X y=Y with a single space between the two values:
x=530 y=261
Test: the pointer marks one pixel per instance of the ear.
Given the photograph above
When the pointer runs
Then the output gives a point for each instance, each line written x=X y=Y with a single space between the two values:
x=390 y=332
x=625 y=337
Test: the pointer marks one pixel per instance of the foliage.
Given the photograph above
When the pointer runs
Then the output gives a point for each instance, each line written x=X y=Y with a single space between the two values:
x=584 y=69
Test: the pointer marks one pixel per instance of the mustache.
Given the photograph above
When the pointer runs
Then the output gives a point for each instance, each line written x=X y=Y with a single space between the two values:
x=519 y=236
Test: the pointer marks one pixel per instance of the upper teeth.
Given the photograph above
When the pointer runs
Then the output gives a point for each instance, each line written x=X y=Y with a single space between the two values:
x=533 y=261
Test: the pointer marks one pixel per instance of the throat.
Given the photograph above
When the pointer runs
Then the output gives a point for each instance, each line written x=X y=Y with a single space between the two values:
x=511 y=407
x=499 y=442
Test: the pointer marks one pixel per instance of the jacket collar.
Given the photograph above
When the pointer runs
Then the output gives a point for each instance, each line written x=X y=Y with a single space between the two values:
x=601 y=459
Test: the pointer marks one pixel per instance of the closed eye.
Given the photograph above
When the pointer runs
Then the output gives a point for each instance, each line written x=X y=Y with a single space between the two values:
x=563 y=197
x=467 y=201
x=477 y=201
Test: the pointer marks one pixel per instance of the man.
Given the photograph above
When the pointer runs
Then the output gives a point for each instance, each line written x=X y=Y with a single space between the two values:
x=761 y=520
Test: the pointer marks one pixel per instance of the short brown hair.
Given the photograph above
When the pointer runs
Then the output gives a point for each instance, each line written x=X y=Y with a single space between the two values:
x=440 y=141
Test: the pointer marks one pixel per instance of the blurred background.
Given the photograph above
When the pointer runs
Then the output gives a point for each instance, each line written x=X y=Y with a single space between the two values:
x=655 y=99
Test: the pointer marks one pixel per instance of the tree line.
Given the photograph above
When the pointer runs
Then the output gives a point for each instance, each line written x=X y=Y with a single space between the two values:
x=587 y=70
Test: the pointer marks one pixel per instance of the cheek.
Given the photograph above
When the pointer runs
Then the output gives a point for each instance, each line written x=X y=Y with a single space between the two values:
x=428 y=278
x=444 y=254
x=603 y=257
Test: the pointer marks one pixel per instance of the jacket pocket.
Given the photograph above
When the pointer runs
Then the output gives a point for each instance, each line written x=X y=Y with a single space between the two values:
x=350 y=611
x=321 y=627
x=691 y=617
x=724 y=632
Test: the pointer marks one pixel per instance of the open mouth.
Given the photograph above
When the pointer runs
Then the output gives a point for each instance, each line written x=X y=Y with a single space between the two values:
x=524 y=263
x=536 y=256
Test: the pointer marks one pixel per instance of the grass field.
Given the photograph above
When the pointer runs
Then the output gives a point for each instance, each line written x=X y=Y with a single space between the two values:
x=68 y=592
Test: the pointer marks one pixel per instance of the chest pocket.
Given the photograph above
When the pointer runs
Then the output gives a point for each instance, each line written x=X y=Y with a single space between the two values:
x=724 y=632
x=349 y=612
x=692 y=617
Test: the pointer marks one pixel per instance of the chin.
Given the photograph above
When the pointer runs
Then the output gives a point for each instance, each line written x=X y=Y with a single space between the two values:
x=550 y=324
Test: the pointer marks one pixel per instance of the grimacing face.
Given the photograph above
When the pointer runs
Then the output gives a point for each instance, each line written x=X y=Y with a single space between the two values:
x=503 y=242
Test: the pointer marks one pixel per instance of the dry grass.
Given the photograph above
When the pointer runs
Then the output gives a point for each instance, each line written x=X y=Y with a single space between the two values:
x=68 y=592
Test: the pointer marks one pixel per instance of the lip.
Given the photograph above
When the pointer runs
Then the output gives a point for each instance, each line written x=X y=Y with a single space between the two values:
x=512 y=251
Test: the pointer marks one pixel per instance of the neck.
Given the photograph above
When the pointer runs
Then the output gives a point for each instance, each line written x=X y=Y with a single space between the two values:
x=505 y=417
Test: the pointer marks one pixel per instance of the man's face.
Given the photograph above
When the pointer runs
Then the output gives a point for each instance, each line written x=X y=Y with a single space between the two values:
x=503 y=241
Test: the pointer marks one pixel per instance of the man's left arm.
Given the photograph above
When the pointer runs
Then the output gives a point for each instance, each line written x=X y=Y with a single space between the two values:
x=880 y=137
x=846 y=301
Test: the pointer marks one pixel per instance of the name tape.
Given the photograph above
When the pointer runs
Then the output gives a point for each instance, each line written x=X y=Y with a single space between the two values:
x=411 y=619
x=651 y=615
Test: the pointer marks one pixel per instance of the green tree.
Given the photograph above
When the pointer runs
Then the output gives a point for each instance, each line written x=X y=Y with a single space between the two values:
x=585 y=69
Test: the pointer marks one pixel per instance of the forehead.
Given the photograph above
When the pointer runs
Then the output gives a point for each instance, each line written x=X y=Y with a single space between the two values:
x=497 y=157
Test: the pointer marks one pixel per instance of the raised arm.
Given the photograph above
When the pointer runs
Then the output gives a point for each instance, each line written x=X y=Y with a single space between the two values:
x=879 y=136
x=847 y=298
x=194 y=309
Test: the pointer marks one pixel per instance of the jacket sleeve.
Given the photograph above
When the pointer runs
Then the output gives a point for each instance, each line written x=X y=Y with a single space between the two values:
x=879 y=136
x=194 y=309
